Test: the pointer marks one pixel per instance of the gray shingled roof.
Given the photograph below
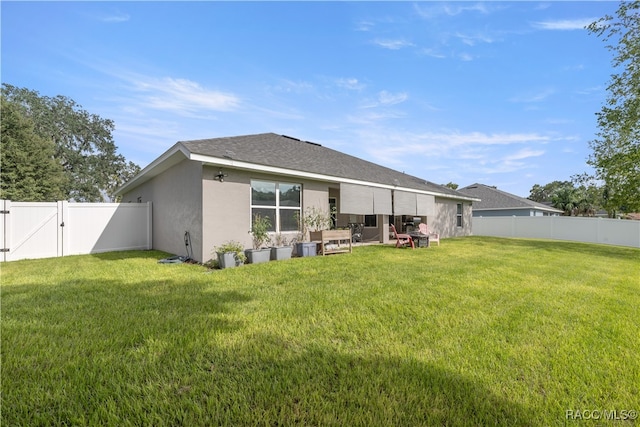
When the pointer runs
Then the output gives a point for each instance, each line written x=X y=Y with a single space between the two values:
x=270 y=149
x=492 y=198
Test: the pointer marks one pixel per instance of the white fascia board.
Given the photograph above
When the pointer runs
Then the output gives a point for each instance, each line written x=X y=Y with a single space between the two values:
x=216 y=161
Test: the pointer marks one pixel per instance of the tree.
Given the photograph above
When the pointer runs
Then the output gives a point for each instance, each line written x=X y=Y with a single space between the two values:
x=565 y=199
x=543 y=194
x=29 y=171
x=83 y=143
x=616 y=149
x=451 y=185
x=580 y=196
x=591 y=194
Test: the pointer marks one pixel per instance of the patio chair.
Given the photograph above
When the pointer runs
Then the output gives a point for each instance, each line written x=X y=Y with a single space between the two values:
x=433 y=236
x=402 y=239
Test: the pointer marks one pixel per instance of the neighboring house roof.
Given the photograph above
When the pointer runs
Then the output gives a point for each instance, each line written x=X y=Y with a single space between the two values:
x=269 y=152
x=493 y=199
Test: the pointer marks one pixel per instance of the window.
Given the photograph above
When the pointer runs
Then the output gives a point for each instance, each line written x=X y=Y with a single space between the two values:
x=279 y=201
x=459 y=215
x=371 y=220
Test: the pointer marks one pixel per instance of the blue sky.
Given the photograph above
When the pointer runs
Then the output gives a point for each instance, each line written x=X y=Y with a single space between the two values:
x=501 y=93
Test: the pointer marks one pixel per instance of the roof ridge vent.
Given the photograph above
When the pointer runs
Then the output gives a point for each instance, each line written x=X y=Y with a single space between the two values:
x=297 y=139
x=291 y=137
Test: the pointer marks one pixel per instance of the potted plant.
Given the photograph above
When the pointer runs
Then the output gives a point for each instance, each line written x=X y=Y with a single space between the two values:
x=281 y=250
x=313 y=219
x=230 y=254
x=260 y=235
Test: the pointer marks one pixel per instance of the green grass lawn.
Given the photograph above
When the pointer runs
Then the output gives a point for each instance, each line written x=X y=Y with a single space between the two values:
x=477 y=331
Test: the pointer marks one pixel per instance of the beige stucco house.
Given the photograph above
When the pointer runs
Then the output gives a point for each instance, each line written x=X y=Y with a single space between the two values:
x=211 y=188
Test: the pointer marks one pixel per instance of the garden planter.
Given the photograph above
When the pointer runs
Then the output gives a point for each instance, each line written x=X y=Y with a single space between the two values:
x=227 y=259
x=306 y=249
x=281 y=252
x=256 y=256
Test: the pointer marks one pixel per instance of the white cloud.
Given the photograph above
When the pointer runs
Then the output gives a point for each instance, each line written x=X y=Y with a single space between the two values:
x=533 y=97
x=350 y=83
x=152 y=134
x=116 y=18
x=564 y=24
x=434 y=53
x=392 y=44
x=386 y=99
x=436 y=9
x=182 y=95
x=458 y=8
x=474 y=39
x=558 y=121
x=364 y=26
x=590 y=90
x=456 y=139
x=290 y=86
x=373 y=117
x=523 y=154
x=395 y=146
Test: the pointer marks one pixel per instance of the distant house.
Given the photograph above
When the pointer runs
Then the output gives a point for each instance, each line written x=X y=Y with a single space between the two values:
x=494 y=202
x=212 y=187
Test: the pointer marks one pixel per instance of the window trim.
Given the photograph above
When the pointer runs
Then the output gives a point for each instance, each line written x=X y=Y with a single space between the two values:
x=459 y=215
x=277 y=207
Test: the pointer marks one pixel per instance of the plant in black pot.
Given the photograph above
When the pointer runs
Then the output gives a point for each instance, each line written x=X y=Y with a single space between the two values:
x=260 y=235
x=230 y=254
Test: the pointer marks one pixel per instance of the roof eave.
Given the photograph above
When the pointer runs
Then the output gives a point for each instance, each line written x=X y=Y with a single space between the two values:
x=179 y=152
x=218 y=161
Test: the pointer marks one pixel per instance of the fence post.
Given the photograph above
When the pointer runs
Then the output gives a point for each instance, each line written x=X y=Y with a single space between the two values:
x=63 y=228
x=149 y=225
x=5 y=229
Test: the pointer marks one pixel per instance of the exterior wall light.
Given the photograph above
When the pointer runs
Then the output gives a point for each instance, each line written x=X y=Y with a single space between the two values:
x=220 y=176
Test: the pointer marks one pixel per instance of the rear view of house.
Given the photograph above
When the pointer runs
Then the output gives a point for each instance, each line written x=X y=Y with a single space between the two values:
x=212 y=187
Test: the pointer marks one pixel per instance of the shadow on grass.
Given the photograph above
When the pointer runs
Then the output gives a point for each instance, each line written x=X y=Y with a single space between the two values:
x=264 y=382
x=69 y=348
x=121 y=255
x=151 y=350
x=120 y=314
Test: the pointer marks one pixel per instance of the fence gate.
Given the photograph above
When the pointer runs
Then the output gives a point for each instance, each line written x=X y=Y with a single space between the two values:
x=31 y=230
x=51 y=229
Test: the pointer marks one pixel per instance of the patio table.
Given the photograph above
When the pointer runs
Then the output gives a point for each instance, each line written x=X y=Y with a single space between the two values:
x=420 y=240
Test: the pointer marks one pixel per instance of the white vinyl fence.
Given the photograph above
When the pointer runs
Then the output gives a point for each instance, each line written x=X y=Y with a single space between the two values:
x=43 y=230
x=592 y=230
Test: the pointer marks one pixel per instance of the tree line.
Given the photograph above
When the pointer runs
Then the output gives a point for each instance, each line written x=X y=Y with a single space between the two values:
x=53 y=149
x=575 y=199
